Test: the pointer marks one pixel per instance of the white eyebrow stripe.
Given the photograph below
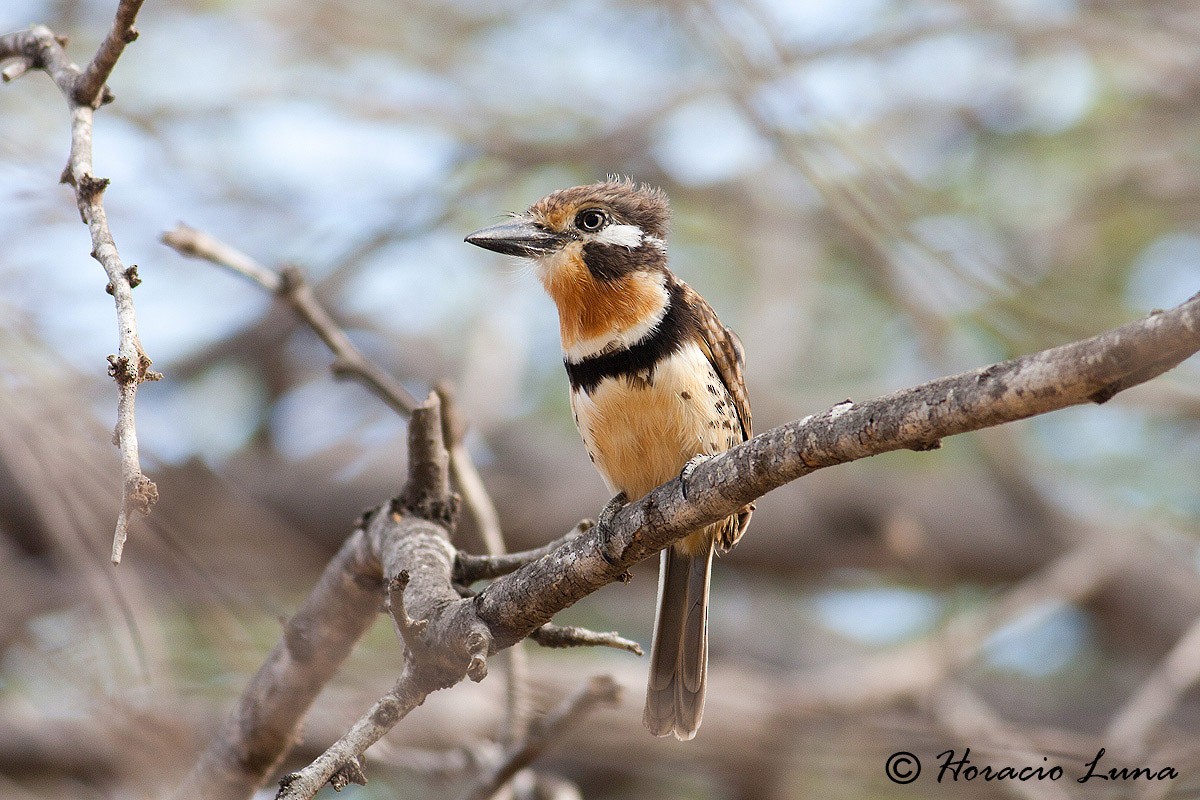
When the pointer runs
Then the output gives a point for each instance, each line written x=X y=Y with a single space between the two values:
x=621 y=235
x=655 y=242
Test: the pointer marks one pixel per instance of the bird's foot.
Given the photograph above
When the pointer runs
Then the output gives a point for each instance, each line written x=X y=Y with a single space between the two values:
x=687 y=471
x=611 y=508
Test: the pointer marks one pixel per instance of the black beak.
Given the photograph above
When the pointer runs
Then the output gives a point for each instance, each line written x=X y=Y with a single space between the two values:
x=517 y=237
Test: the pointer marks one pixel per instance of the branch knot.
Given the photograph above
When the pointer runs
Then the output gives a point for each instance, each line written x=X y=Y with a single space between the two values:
x=348 y=773
x=410 y=628
x=89 y=185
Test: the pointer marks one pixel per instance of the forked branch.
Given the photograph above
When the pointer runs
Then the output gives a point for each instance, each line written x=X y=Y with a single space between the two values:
x=291 y=285
x=460 y=633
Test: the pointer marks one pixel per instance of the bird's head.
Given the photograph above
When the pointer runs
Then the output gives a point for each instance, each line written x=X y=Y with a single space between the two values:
x=603 y=220
x=601 y=253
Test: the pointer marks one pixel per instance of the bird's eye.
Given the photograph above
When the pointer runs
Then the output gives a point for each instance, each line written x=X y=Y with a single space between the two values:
x=591 y=220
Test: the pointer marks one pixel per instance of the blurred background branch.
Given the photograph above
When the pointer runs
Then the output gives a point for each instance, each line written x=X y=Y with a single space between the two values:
x=871 y=193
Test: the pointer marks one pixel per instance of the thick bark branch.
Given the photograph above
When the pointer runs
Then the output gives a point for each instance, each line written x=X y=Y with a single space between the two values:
x=1091 y=370
x=265 y=724
x=487 y=521
x=457 y=634
x=443 y=641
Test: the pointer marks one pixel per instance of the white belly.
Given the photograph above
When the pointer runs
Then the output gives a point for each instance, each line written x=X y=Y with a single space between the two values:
x=640 y=431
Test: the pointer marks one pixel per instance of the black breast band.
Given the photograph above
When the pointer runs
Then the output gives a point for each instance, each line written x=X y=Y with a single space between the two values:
x=666 y=339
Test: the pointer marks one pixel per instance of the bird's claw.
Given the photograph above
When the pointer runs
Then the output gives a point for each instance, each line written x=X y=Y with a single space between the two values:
x=687 y=471
x=611 y=508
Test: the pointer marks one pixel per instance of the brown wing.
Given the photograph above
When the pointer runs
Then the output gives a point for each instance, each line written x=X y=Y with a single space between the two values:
x=725 y=353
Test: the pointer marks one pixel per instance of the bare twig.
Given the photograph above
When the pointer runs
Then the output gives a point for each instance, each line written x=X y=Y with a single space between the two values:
x=1148 y=707
x=551 y=635
x=343 y=756
x=466 y=477
x=195 y=243
x=84 y=91
x=291 y=285
x=265 y=724
x=597 y=691
x=406 y=626
x=39 y=48
x=15 y=70
x=470 y=568
x=90 y=89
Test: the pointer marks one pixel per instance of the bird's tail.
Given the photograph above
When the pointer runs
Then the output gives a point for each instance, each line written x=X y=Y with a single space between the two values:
x=679 y=655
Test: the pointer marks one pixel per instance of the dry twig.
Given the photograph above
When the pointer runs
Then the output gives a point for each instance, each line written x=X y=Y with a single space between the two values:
x=470 y=567
x=84 y=90
x=1148 y=708
x=551 y=635
x=291 y=285
x=598 y=690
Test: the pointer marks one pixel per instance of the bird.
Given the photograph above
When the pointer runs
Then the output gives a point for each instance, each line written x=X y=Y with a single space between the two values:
x=656 y=386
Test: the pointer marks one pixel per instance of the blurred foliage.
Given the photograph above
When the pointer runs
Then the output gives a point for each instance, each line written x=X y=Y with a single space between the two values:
x=871 y=192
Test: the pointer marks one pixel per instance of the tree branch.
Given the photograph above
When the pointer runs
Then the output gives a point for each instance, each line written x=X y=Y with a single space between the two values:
x=470 y=567
x=341 y=764
x=551 y=635
x=1091 y=370
x=39 y=48
x=460 y=633
x=189 y=241
x=487 y=521
x=598 y=690
x=266 y=721
x=291 y=285
x=466 y=477
x=442 y=644
x=90 y=89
